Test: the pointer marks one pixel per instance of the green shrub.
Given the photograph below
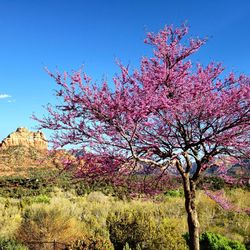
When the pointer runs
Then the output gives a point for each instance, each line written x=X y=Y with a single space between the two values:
x=42 y=222
x=7 y=244
x=92 y=243
x=212 y=241
x=10 y=217
x=97 y=197
x=175 y=193
x=126 y=247
x=42 y=198
x=138 y=224
x=214 y=182
x=144 y=227
x=19 y=186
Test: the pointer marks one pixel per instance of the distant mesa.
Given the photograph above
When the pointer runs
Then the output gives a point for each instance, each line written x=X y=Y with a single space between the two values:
x=23 y=137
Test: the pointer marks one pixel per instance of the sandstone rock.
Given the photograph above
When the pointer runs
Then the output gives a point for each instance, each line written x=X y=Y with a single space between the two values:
x=24 y=137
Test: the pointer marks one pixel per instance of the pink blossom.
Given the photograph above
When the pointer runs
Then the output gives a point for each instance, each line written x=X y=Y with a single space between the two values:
x=169 y=110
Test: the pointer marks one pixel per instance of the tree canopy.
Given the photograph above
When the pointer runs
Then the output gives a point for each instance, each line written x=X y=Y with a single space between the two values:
x=168 y=113
x=168 y=110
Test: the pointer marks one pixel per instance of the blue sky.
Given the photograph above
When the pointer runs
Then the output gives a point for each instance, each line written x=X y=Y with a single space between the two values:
x=66 y=34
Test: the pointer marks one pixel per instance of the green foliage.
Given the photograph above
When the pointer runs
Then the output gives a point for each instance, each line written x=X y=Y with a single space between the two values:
x=239 y=197
x=95 y=211
x=10 y=217
x=42 y=182
x=212 y=241
x=175 y=193
x=42 y=198
x=9 y=244
x=214 y=182
x=126 y=247
x=144 y=227
x=92 y=243
x=234 y=225
x=43 y=222
x=19 y=186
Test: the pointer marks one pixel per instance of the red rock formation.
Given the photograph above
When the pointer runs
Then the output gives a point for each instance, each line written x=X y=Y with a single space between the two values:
x=27 y=138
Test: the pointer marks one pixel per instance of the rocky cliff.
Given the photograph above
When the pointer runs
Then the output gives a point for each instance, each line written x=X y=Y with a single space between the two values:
x=24 y=137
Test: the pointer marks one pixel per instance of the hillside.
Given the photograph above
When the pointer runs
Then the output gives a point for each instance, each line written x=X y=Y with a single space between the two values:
x=24 y=149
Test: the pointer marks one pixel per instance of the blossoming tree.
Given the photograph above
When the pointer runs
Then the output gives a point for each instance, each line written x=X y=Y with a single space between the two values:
x=168 y=113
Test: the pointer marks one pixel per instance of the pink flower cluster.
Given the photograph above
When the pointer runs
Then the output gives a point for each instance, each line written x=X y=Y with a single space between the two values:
x=221 y=200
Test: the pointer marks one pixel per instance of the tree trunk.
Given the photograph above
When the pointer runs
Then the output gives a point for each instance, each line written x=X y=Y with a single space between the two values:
x=192 y=217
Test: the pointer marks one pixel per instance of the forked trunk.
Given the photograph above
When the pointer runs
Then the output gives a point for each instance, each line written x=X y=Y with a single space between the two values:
x=192 y=217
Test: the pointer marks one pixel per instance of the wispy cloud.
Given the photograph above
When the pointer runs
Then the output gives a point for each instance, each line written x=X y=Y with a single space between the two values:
x=11 y=101
x=3 y=96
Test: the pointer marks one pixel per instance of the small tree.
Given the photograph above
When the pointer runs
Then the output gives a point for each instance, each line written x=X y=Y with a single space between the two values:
x=167 y=113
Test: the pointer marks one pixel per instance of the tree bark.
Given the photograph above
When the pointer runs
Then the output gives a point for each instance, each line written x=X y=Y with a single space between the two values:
x=192 y=216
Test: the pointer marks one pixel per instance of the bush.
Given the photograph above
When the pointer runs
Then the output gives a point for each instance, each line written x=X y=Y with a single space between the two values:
x=144 y=227
x=213 y=182
x=169 y=236
x=42 y=198
x=175 y=193
x=18 y=186
x=92 y=243
x=43 y=222
x=141 y=223
x=10 y=217
x=212 y=241
x=97 y=197
x=7 y=244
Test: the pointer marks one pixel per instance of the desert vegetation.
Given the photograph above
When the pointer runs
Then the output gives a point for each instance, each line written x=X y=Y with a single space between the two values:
x=102 y=217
